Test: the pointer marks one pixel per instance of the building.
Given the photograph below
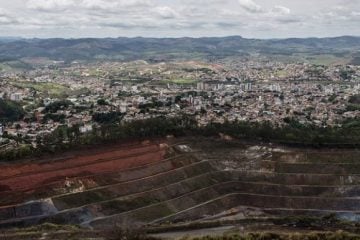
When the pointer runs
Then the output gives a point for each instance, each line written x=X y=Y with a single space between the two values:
x=86 y=128
x=17 y=97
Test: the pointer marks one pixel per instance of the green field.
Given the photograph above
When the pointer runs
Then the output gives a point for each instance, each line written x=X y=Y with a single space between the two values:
x=180 y=81
x=50 y=89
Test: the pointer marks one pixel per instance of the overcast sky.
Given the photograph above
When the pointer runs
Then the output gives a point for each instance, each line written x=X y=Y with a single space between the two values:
x=177 y=18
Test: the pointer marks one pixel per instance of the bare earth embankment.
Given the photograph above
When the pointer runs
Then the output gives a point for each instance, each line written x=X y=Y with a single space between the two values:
x=186 y=187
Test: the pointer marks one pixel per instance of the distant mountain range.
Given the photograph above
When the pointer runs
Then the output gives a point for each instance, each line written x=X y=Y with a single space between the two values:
x=170 y=48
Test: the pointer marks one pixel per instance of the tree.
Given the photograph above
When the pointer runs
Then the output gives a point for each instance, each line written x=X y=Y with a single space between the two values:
x=107 y=118
x=56 y=106
x=102 y=102
x=10 y=111
x=355 y=99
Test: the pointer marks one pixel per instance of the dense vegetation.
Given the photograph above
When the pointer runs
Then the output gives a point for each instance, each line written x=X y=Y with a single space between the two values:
x=354 y=103
x=107 y=118
x=57 y=105
x=55 y=117
x=10 y=111
x=293 y=134
x=355 y=99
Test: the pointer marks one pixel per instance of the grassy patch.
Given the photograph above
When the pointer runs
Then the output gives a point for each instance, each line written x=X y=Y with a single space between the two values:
x=50 y=89
x=325 y=59
x=281 y=73
x=180 y=81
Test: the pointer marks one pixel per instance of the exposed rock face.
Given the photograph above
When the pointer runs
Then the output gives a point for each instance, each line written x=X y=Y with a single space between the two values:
x=196 y=181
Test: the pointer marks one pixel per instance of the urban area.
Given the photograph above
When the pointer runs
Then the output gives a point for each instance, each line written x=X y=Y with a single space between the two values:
x=86 y=95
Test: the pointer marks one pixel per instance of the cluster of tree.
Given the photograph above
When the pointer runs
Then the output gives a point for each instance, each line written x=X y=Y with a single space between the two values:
x=21 y=152
x=57 y=105
x=65 y=137
x=102 y=102
x=355 y=99
x=107 y=117
x=346 y=74
x=332 y=98
x=352 y=107
x=293 y=133
x=353 y=123
x=124 y=94
x=354 y=103
x=203 y=69
x=55 y=117
x=10 y=111
x=154 y=104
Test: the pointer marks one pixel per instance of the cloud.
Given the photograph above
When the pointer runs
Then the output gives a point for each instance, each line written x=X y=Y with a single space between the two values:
x=250 y=6
x=7 y=18
x=355 y=14
x=2 y=12
x=58 y=5
x=228 y=24
x=130 y=24
x=281 y=10
x=254 y=18
x=277 y=14
x=337 y=14
x=166 y=12
x=98 y=4
x=283 y=15
x=50 y=5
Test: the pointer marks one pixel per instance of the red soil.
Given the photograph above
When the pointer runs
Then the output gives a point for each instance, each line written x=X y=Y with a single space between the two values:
x=27 y=176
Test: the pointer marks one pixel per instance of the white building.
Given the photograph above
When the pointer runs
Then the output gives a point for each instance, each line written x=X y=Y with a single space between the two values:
x=86 y=128
x=17 y=97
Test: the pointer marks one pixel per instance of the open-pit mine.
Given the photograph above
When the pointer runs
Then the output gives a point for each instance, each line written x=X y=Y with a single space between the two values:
x=177 y=187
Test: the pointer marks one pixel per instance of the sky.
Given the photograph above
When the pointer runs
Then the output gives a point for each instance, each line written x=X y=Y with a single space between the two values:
x=179 y=18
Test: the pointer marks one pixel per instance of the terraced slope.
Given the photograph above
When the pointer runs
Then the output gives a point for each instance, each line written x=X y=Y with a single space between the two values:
x=209 y=184
x=66 y=198
x=26 y=181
